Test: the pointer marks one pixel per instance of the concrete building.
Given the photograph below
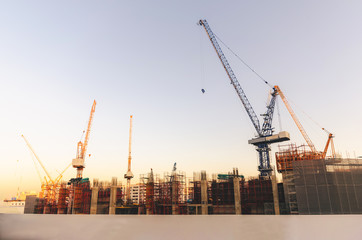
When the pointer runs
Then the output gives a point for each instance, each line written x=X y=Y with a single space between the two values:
x=137 y=192
x=328 y=186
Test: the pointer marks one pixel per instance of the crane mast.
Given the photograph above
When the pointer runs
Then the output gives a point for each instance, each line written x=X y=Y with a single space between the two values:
x=129 y=173
x=267 y=129
x=265 y=134
x=78 y=162
x=173 y=173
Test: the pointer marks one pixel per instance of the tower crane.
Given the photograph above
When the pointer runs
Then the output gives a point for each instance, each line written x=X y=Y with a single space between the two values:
x=173 y=173
x=316 y=154
x=42 y=181
x=299 y=125
x=129 y=174
x=78 y=162
x=265 y=133
x=37 y=158
x=48 y=185
x=329 y=141
x=60 y=176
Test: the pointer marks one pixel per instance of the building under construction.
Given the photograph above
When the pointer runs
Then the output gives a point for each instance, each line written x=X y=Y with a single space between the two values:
x=312 y=183
x=309 y=186
x=165 y=195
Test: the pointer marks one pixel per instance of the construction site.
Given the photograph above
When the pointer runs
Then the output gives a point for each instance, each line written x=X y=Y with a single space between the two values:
x=312 y=181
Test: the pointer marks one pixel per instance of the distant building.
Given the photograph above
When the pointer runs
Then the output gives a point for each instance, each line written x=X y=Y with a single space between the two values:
x=19 y=200
x=137 y=193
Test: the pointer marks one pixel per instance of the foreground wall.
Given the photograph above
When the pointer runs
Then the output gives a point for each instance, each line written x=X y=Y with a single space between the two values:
x=27 y=226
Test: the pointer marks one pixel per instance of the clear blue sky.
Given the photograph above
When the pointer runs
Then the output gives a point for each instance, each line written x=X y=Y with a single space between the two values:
x=150 y=59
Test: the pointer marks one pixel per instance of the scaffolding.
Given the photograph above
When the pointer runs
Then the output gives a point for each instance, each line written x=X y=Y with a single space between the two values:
x=285 y=159
x=313 y=186
x=257 y=196
x=216 y=196
x=39 y=207
x=194 y=194
x=290 y=194
x=328 y=186
x=288 y=154
x=104 y=196
x=222 y=195
x=194 y=189
x=62 y=199
x=147 y=198
x=82 y=196
x=165 y=195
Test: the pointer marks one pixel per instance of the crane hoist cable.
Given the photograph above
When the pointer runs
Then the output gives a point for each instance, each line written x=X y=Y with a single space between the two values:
x=202 y=63
x=237 y=56
x=306 y=137
x=279 y=118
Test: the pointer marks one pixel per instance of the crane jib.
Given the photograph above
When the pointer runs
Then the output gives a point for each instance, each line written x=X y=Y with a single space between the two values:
x=249 y=109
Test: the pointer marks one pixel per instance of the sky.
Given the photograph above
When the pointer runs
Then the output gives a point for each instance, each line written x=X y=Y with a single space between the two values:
x=150 y=59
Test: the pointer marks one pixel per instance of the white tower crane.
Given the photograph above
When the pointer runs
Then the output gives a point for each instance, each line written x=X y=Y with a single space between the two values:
x=129 y=174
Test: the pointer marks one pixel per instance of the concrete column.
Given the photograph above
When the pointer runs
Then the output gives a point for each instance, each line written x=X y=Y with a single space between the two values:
x=237 y=198
x=46 y=208
x=275 y=194
x=204 y=199
x=94 y=199
x=150 y=198
x=113 y=197
x=150 y=195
